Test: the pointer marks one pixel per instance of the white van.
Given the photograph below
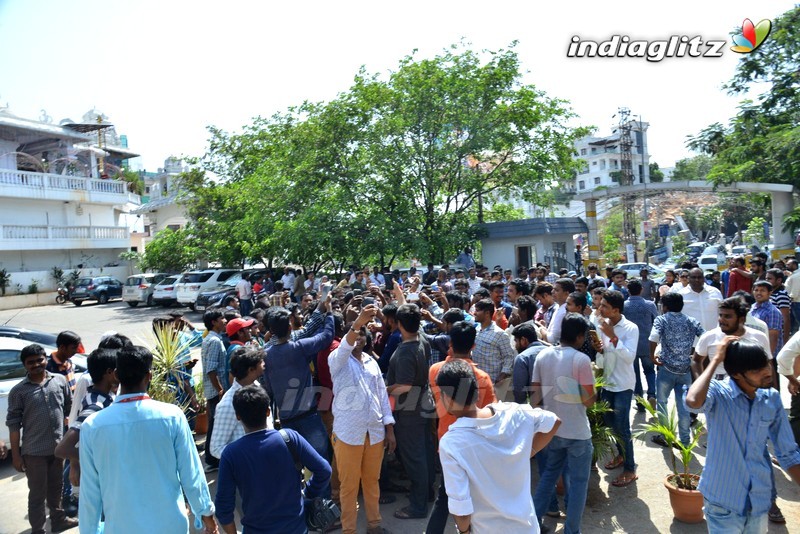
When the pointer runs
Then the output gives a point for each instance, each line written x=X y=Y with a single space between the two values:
x=193 y=282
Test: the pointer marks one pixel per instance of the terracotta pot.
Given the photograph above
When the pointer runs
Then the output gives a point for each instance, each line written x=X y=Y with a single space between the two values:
x=687 y=505
x=201 y=423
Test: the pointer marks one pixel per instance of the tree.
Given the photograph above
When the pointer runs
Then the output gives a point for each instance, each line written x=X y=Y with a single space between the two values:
x=656 y=174
x=171 y=251
x=394 y=166
x=695 y=168
x=610 y=235
x=762 y=142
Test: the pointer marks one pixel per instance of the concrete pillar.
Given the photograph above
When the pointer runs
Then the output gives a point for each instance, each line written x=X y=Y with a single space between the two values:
x=590 y=206
x=782 y=204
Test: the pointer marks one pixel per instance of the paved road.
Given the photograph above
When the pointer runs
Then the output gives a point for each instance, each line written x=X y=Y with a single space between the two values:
x=641 y=508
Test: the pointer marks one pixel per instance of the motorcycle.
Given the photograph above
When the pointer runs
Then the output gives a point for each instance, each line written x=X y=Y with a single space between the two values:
x=63 y=295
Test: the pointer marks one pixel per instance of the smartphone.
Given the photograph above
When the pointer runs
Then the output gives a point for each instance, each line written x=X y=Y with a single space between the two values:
x=389 y=281
x=368 y=300
x=594 y=336
x=326 y=288
x=412 y=297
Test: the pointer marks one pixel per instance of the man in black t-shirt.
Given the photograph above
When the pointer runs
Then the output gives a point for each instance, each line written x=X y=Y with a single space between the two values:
x=407 y=384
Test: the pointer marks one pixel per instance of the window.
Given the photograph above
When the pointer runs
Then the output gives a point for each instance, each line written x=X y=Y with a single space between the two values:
x=583 y=152
x=602 y=164
x=147 y=190
x=597 y=180
x=594 y=150
x=581 y=185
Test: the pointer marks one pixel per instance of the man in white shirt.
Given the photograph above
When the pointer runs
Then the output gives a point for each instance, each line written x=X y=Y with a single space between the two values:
x=474 y=281
x=376 y=277
x=701 y=300
x=244 y=291
x=793 y=288
x=288 y=279
x=787 y=361
x=618 y=344
x=561 y=290
x=486 y=455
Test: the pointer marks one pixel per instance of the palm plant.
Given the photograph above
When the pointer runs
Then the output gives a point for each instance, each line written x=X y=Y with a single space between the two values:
x=5 y=280
x=168 y=360
x=667 y=426
x=604 y=439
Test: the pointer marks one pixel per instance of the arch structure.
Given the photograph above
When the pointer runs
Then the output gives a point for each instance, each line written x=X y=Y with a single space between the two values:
x=781 y=194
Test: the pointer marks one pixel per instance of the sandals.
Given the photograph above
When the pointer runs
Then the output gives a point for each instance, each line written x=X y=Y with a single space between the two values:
x=775 y=515
x=386 y=499
x=407 y=513
x=622 y=480
x=616 y=462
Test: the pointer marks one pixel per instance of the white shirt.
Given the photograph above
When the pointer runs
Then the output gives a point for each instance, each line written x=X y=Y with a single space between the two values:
x=708 y=344
x=288 y=282
x=486 y=467
x=554 y=328
x=793 y=286
x=244 y=290
x=377 y=279
x=311 y=284
x=618 y=361
x=360 y=402
x=474 y=284
x=703 y=306
x=787 y=355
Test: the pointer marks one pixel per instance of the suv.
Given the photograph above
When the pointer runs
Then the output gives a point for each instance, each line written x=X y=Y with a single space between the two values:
x=164 y=292
x=193 y=282
x=140 y=287
x=215 y=295
x=99 y=288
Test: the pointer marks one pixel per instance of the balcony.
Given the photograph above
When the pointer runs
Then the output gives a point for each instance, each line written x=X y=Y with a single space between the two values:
x=41 y=237
x=37 y=185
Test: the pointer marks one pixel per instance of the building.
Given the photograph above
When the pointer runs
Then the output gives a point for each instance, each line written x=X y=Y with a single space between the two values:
x=60 y=204
x=524 y=243
x=602 y=157
x=161 y=208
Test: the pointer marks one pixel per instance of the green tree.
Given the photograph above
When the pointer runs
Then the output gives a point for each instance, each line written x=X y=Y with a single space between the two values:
x=171 y=251
x=695 y=168
x=754 y=235
x=611 y=235
x=503 y=212
x=656 y=174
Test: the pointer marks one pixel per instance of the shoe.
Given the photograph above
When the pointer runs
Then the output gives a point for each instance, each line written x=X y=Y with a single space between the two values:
x=70 y=506
x=65 y=524
x=658 y=439
x=210 y=468
x=407 y=513
x=652 y=401
x=775 y=515
x=557 y=515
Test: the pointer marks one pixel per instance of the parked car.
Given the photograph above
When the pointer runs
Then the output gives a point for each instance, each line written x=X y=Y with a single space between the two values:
x=633 y=269
x=193 y=282
x=33 y=336
x=12 y=371
x=710 y=262
x=140 y=287
x=99 y=288
x=164 y=292
x=739 y=250
x=695 y=250
x=214 y=296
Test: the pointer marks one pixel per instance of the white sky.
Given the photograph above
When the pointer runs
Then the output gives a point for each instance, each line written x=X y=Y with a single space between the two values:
x=164 y=70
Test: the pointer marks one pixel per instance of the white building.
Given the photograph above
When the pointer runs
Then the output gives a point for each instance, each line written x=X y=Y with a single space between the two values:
x=603 y=158
x=160 y=208
x=58 y=206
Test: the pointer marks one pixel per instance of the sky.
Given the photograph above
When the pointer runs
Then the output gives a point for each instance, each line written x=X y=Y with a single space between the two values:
x=162 y=71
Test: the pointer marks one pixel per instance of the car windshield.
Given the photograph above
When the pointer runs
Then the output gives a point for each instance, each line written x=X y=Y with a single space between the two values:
x=133 y=281
x=233 y=280
x=194 y=278
x=168 y=281
x=84 y=282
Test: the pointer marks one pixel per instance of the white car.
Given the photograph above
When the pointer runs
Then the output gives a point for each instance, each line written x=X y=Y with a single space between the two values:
x=193 y=282
x=164 y=292
x=139 y=288
x=710 y=262
x=632 y=270
x=12 y=372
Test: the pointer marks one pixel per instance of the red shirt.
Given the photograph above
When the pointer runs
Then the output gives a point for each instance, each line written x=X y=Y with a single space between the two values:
x=324 y=376
x=485 y=393
x=737 y=282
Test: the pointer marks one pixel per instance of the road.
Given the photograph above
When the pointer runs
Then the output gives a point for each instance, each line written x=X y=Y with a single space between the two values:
x=641 y=508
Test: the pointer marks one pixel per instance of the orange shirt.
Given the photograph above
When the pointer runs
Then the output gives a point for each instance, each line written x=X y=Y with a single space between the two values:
x=485 y=393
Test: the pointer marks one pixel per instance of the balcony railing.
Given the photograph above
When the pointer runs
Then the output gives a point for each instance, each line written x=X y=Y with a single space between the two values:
x=28 y=231
x=59 y=185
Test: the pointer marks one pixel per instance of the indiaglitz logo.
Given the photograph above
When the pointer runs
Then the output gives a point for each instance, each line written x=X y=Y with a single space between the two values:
x=751 y=37
x=653 y=50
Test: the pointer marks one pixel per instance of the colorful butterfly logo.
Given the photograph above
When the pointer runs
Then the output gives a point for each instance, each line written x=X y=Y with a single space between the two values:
x=751 y=37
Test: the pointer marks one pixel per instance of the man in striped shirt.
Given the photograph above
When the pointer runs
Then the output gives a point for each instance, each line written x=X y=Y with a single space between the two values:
x=59 y=362
x=742 y=411
x=781 y=299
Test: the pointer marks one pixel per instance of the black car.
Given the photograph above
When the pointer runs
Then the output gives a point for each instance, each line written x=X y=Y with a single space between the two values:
x=214 y=296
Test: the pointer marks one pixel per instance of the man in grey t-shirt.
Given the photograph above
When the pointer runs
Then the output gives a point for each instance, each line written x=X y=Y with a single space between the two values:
x=563 y=381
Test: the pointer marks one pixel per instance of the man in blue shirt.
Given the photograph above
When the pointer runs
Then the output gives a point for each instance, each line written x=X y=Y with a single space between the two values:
x=742 y=411
x=139 y=463
x=261 y=467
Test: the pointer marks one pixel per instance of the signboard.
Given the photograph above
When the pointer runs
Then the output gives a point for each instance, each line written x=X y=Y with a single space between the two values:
x=647 y=230
x=663 y=230
x=660 y=253
x=631 y=252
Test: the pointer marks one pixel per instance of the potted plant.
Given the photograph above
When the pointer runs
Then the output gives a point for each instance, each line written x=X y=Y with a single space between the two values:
x=604 y=439
x=686 y=500
x=172 y=379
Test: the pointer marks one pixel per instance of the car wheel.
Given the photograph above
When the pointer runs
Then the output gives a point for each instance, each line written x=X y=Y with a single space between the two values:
x=150 y=300
x=133 y=304
x=191 y=306
x=77 y=302
x=102 y=299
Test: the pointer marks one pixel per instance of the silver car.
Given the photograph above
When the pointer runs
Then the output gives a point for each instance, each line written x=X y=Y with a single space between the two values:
x=139 y=288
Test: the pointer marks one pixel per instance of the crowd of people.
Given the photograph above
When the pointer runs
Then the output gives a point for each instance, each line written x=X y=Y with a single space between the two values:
x=482 y=374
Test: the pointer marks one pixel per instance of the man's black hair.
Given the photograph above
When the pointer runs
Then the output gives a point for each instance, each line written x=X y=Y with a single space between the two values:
x=526 y=330
x=278 y=286
x=409 y=317
x=457 y=381
x=243 y=359
x=744 y=355
x=778 y=273
x=482 y=292
x=453 y=316
x=674 y=302
x=31 y=350
x=133 y=364
x=455 y=299
x=579 y=299
x=278 y=321
x=210 y=317
x=67 y=338
x=763 y=283
x=338 y=324
x=100 y=361
x=614 y=299
x=635 y=288
x=566 y=284
x=462 y=337
x=573 y=326
x=595 y=284
x=227 y=300
x=115 y=342
x=615 y=272
x=582 y=280
x=485 y=305
x=230 y=315
x=523 y=286
x=737 y=303
x=251 y=404
x=544 y=288
x=390 y=311
x=497 y=283
x=528 y=304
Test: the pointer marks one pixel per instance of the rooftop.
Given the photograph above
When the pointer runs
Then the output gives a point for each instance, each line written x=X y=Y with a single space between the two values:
x=537 y=226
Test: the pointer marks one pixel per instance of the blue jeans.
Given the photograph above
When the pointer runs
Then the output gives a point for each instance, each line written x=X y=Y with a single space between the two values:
x=649 y=375
x=795 y=317
x=574 y=455
x=723 y=521
x=541 y=463
x=313 y=430
x=667 y=382
x=620 y=420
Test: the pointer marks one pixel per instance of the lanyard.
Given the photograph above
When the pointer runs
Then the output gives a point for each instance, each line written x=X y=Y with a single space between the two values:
x=136 y=398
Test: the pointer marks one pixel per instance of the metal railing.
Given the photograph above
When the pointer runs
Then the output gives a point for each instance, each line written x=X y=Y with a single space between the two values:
x=29 y=231
x=59 y=182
